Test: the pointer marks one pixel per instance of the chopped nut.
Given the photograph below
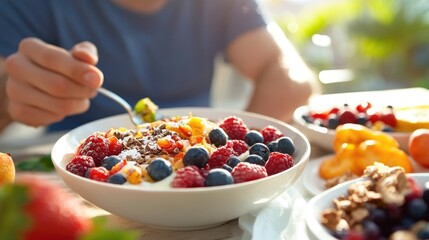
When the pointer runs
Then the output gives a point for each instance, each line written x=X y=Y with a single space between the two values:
x=383 y=186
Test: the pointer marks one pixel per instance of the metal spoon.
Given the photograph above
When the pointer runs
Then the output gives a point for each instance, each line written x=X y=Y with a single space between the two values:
x=135 y=118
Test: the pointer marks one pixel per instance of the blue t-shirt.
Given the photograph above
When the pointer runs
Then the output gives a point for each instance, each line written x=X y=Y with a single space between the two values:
x=167 y=56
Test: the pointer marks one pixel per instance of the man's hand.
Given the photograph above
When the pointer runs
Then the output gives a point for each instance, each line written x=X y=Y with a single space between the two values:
x=47 y=83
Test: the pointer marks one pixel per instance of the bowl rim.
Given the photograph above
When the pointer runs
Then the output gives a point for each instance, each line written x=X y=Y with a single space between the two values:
x=300 y=111
x=303 y=161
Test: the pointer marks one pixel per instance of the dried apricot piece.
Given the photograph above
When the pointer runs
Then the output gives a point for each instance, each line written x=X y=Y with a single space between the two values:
x=338 y=165
x=372 y=151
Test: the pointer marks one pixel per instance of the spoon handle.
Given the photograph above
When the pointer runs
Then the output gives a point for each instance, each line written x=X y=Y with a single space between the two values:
x=119 y=100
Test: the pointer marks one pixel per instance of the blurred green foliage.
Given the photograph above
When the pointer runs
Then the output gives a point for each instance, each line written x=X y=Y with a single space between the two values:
x=387 y=38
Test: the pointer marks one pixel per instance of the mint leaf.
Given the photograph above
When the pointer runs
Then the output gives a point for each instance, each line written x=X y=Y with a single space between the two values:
x=13 y=220
x=102 y=232
x=42 y=164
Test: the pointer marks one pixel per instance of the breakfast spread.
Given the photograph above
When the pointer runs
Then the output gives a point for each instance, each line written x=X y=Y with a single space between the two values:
x=183 y=151
x=386 y=204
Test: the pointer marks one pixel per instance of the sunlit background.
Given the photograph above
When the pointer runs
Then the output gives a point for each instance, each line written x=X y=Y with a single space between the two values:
x=356 y=45
x=351 y=45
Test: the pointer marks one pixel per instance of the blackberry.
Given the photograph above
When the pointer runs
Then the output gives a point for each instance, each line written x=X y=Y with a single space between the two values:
x=197 y=156
x=159 y=169
x=253 y=137
x=218 y=137
x=261 y=150
x=218 y=177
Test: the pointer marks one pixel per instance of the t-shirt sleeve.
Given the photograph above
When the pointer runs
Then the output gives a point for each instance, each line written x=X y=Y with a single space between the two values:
x=242 y=16
x=21 y=19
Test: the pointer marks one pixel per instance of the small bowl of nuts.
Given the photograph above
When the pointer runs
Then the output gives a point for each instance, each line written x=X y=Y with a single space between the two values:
x=386 y=203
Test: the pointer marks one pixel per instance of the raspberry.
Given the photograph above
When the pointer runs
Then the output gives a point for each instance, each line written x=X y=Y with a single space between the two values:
x=415 y=190
x=205 y=170
x=245 y=172
x=80 y=164
x=98 y=174
x=188 y=177
x=239 y=146
x=115 y=146
x=270 y=133
x=220 y=156
x=234 y=127
x=278 y=162
x=95 y=146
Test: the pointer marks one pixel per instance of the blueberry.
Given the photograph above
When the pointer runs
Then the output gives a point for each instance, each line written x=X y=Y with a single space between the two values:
x=424 y=232
x=286 y=145
x=218 y=137
x=416 y=208
x=307 y=118
x=253 y=137
x=110 y=161
x=218 y=177
x=117 y=179
x=159 y=169
x=333 y=121
x=273 y=146
x=197 y=156
x=387 y=129
x=261 y=150
x=255 y=159
x=378 y=216
x=233 y=161
x=362 y=119
x=371 y=230
x=227 y=167
x=425 y=194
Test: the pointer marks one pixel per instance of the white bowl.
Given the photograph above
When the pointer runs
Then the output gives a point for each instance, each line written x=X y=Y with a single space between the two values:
x=180 y=208
x=324 y=137
x=323 y=201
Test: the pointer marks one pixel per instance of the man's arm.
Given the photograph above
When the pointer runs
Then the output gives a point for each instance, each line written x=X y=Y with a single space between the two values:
x=5 y=119
x=282 y=81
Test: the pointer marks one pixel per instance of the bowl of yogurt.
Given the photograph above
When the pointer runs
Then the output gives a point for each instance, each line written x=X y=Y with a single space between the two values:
x=157 y=189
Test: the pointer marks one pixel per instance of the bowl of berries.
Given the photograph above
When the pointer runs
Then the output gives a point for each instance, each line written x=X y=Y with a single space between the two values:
x=386 y=203
x=194 y=168
x=319 y=125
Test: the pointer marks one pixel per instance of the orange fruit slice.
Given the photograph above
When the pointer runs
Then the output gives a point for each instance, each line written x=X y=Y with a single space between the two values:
x=7 y=169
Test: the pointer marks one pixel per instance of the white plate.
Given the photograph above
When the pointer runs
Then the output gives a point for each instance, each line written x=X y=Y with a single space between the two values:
x=324 y=137
x=323 y=201
x=314 y=184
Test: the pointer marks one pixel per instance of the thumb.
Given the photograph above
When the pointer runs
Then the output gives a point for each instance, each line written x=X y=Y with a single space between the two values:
x=86 y=52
